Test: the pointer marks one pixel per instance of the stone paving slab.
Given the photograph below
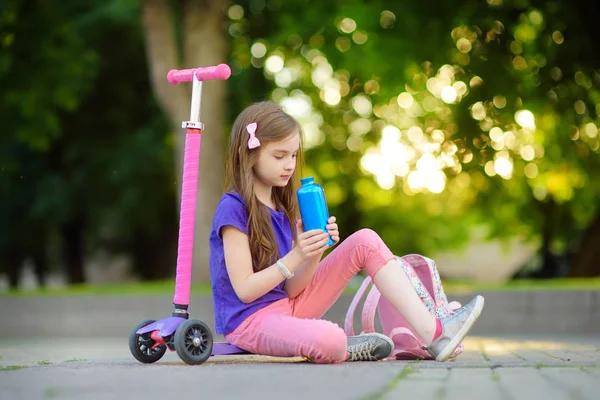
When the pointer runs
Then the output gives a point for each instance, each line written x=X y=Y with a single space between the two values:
x=547 y=368
x=528 y=383
x=449 y=384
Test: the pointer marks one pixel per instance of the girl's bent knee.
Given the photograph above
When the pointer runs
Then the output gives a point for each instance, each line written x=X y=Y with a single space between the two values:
x=367 y=237
x=377 y=253
x=330 y=345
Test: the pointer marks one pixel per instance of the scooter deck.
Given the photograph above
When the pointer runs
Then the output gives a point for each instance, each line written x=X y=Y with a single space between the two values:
x=224 y=348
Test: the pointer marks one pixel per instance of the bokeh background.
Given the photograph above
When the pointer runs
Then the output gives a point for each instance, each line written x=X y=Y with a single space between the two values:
x=465 y=130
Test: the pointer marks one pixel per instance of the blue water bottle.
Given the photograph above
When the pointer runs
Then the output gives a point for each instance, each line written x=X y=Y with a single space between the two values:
x=313 y=207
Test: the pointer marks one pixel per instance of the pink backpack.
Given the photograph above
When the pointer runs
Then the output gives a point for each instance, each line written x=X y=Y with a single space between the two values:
x=423 y=274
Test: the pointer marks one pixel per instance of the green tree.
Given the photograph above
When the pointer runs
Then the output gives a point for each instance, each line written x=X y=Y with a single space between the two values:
x=87 y=158
x=428 y=118
x=45 y=70
x=118 y=149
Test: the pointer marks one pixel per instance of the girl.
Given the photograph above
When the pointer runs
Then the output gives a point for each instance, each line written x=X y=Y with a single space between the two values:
x=270 y=286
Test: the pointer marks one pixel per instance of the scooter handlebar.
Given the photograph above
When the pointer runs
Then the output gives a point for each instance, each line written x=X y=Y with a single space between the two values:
x=221 y=71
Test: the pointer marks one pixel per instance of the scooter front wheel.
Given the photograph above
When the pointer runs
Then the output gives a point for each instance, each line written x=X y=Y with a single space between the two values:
x=193 y=342
x=141 y=345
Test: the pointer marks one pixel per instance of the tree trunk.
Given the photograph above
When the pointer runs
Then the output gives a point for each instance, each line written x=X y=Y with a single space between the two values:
x=204 y=45
x=586 y=261
x=14 y=263
x=549 y=261
x=41 y=267
x=40 y=256
x=74 y=249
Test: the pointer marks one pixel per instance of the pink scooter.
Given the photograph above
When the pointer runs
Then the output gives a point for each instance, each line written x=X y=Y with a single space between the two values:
x=190 y=338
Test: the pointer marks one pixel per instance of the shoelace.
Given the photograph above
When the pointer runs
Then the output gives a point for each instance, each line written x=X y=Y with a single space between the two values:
x=361 y=352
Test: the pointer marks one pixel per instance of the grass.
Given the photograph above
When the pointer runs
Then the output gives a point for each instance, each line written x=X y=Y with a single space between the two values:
x=162 y=287
x=554 y=357
x=406 y=371
x=12 y=367
x=44 y=362
x=51 y=393
x=76 y=360
x=440 y=393
x=166 y=287
x=495 y=376
x=483 y=353
x=454 y=287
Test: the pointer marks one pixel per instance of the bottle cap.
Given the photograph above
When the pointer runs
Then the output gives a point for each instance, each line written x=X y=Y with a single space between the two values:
x=306 y=180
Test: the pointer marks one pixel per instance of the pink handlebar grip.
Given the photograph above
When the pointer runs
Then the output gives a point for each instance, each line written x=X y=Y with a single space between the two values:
x=221 y=71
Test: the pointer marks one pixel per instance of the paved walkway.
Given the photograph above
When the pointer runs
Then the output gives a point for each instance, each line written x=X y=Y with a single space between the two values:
x=491 y=368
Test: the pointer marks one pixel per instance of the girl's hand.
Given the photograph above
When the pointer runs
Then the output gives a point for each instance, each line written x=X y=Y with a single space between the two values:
x=312 y=243
x=333 y=230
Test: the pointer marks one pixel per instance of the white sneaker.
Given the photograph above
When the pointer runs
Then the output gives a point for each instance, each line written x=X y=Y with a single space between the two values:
x=454 y=329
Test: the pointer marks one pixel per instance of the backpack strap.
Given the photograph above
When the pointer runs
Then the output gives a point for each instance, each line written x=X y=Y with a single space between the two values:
x=369 y=310
x=349 y=323
x=424 y=270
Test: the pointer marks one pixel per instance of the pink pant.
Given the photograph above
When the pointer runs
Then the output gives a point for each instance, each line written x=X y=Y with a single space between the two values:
x=289 y=328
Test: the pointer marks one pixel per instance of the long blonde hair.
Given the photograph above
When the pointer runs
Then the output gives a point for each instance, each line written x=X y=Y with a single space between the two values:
x=273 y=124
